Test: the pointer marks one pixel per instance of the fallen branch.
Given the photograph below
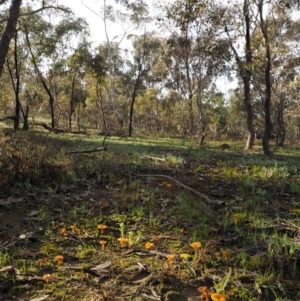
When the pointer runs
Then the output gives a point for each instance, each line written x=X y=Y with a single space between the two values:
x=153 y=158
x=194 y=191
x=99 y=149
x=45 y=126
x=9 y=117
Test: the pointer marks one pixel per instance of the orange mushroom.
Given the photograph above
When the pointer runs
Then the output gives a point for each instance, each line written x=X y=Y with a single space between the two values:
x=102 y=227
x=205 y=293
x=217 y=297
x=171 y=258
x=47 y=277
x=196 y=245
x=103 y=243
x=41 y=262
x=123 y=241
x=225 y=254
x=73 y=228
x=63 y=232
x=149 y=245
x=59 y=259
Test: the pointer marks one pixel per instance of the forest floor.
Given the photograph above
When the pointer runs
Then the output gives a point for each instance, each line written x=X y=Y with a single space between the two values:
x=178 y=218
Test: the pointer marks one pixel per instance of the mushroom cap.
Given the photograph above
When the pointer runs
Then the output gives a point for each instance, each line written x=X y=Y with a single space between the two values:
x=123 y=240
x=47 y=276
x=217 y=297
x=171 y=256
x=202 y=288
x=149 y=245
x=196 y=245
x=102 y=227
x=59 y=257
x=103 y=242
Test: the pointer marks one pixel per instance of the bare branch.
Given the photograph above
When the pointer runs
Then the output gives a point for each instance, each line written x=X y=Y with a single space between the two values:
x=67 y=10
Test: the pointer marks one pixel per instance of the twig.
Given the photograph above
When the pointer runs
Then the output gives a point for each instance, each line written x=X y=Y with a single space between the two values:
x=194 y=191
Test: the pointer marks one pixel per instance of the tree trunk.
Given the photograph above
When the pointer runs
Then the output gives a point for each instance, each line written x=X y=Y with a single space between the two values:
x=281 y=131
x=78 y=116
x=100 y=98
x=268 y=85
x=247 y=74
x=249 y=111
x=71 y=104
x=9 y=31
x=132 y=105
x=51 y=98
x=25 y=124
x=201 y=113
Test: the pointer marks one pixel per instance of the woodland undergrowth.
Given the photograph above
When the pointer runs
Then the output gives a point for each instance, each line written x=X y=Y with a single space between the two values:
x=147 y=219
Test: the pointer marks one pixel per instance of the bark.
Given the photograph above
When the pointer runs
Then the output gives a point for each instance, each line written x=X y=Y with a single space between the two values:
x=280 y=131
x=16 y=84
x=201 y=112
x=100 y=98
x=247 y=74
x=135 y=90
x=190 y=96
x=268 y=85
x=9 y=31
x=78 y=116
x=134 y=93
x=71 y=104
x=25 y=123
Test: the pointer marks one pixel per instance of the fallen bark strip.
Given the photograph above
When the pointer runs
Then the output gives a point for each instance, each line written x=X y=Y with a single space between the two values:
x=194 y=191
x=97 y=149
x=153 y=158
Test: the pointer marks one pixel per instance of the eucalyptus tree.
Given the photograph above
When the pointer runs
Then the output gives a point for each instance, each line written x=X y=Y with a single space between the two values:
x=98 y=72
x=15 y=76
x=237 y=21
x=130 y=16
x=275 y=42
x=76 y=67
x=198 y=55
x=284 y=54
x=10 y=29
x=145 y=54
x=11 y=17
x=49 y=44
